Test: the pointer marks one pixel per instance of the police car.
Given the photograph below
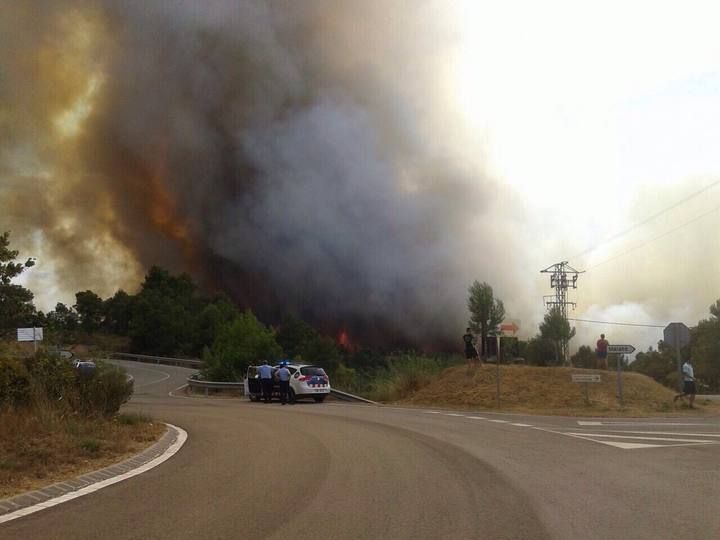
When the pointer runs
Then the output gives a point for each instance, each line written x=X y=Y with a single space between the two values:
x=306 y=381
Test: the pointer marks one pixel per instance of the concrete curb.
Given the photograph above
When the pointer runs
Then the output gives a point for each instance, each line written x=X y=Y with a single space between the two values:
x=47 y=497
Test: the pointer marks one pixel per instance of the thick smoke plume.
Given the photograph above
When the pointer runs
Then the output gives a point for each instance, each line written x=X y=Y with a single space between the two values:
x=302 y=156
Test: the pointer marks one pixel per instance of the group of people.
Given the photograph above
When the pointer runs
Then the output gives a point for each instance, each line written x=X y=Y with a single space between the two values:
x=267 y=379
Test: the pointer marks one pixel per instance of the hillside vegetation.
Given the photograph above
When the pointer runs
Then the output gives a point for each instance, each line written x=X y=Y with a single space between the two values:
x=548 y=390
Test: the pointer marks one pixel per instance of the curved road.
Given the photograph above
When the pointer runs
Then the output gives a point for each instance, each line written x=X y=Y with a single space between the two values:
x=354 y=471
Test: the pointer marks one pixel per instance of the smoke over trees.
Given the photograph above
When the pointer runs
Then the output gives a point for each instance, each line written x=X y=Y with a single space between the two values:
x=292 y=154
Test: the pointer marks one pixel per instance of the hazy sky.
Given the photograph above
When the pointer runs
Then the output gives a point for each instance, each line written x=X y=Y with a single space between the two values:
x=568 y=123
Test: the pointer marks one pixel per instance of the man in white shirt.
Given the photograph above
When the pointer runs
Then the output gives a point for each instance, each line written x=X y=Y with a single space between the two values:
x=688 y=383
x=265 y=372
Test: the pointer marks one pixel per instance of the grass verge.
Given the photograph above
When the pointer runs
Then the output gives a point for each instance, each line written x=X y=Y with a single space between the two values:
x=549 y=390
x=41 y=446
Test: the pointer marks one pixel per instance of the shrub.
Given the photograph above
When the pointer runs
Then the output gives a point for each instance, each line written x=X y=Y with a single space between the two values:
x=47 y=383
x=239 y=344
x=91 y=446
x=105 y=392
x=14 y=383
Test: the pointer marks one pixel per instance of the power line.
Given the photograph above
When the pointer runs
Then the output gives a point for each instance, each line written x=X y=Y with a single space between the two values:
x=647 y=219
x=663 y=235
x=619 y=323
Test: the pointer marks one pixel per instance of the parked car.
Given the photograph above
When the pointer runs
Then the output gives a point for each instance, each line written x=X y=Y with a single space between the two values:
x=306 y=381
x=86 y=368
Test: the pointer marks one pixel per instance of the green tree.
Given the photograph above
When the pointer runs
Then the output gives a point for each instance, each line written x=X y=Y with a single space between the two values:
x=486 y=312
x=62 y=318
x=89 y=307
x=302 y=342
x=117 y=312
x=705 y=349
x=539 y=351
x=240 y=343
x=16 y=307
x=584 y=358
x=214 y=315
x=557 y=329
x=164 y=315
x=293 y=335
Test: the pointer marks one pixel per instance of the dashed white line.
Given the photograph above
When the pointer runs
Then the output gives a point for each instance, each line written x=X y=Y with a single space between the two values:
x=521 y=425
x=498 y=421
x=477 y=417
x=454 y=414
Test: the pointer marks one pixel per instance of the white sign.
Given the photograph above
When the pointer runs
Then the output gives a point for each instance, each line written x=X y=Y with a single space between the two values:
x=29 y=334
x=620 y=349
x=585 y=377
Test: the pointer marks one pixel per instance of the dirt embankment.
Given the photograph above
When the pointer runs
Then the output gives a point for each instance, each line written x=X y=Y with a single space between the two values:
x=545 y=390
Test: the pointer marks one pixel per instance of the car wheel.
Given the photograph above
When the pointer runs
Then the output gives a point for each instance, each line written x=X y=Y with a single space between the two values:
x=253 y=398
x=291 y=396
x=319 y=399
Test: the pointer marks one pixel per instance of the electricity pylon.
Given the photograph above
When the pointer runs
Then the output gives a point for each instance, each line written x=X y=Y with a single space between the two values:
x=562 y=277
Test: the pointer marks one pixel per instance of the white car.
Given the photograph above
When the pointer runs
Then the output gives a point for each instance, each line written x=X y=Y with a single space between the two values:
x=305 y=381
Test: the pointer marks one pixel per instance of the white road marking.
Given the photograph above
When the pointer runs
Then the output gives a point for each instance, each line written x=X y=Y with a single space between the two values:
x=499 y=421
x=521 y=425
x=629 y=445
x=453 y=414
x=170 y=393
x=601 y=435
x=167 y=375
x=431 y=412
x=170 y=452
x=667 y=433
x=477 y=417
x=639 y=424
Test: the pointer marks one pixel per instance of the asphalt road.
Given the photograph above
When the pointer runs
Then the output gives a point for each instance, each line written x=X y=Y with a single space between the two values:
x=336 y=470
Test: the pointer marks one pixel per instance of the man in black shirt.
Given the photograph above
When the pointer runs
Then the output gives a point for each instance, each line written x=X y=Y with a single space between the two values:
x=470 y=351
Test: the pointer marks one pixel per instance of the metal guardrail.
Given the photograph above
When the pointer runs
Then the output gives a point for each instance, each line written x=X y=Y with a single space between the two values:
x=215 y=385
x=344 y=396
x=183 y=362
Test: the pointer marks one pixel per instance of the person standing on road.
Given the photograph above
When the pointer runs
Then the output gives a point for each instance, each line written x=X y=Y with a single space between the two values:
x=601 y=351
x=266 y=380
x=470 y=351
x=283 y=375
x=688 y=383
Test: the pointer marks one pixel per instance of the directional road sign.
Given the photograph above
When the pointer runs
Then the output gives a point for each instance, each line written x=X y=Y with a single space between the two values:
x=509 y=327
x=620 y=349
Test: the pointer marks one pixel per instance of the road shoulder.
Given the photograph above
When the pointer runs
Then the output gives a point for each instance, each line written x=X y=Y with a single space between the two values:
x=52 y=495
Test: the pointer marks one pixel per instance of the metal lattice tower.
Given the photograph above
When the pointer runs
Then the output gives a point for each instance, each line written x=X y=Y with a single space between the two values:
x=562 y=277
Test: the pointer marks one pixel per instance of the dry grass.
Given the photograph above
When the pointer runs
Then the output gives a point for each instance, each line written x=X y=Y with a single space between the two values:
x=543 y=390
x=41 y=447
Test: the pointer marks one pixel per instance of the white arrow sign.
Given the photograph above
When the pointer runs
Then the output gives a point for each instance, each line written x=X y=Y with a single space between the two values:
x=621 y=349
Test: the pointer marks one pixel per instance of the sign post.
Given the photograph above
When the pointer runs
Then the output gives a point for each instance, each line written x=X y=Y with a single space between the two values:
x=620 y=350
x=30 y=334
x=584 y=379
x=677 y=335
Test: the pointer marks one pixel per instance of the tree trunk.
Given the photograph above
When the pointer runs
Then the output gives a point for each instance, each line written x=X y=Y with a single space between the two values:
x=483 y=338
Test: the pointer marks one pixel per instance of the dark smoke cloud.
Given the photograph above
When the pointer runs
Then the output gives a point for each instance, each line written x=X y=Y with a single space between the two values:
x=299 y=155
